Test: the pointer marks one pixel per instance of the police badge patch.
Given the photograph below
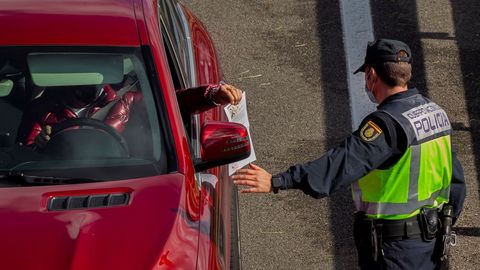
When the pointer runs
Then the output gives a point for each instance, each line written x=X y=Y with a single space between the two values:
x=370 y=131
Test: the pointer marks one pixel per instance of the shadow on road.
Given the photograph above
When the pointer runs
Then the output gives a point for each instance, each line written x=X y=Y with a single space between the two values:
x=467 y=32
x=402 y=24
x=467 y=231
x=336 y=105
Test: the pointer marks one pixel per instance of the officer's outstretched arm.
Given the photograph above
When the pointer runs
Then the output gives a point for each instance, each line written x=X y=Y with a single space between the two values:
x=257 y=179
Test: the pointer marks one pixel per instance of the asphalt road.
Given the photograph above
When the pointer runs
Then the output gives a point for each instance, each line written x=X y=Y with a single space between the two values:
x=289 y=57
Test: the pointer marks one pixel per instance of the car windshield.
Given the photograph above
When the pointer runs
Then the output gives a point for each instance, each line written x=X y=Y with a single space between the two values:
x=77 y=113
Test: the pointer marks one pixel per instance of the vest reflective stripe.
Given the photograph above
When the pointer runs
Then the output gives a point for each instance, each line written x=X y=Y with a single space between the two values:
x=393 y=210
x=413 y=182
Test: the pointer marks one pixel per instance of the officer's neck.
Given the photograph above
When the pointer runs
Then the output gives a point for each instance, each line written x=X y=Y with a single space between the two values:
x=384 y=91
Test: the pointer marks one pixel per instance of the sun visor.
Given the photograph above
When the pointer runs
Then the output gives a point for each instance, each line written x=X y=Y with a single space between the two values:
x=67 y=69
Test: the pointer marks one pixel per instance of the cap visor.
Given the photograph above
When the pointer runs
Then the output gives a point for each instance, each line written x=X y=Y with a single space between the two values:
x=361 y=68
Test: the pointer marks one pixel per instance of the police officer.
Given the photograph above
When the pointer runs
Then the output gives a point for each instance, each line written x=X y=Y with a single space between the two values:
x=399 y=163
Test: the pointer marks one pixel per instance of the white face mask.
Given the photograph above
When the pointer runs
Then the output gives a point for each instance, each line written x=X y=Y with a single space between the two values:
x=370 y=95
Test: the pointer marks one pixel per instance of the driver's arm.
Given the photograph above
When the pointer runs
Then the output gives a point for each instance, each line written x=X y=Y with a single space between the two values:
x=202 y=98
x=29 y=139
x=43 y=137
x=119 y=114
x=36 y=127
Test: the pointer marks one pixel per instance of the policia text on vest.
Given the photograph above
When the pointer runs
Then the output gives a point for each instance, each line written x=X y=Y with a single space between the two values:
x=428 y=120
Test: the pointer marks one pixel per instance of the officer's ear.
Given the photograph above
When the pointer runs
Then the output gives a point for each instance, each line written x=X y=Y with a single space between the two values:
x=371 y=73
x=368 y=71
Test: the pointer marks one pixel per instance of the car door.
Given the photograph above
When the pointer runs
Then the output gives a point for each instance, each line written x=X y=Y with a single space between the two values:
x=195 y=63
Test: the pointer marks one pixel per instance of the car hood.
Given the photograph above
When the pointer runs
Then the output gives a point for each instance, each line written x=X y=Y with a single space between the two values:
x=154 y=230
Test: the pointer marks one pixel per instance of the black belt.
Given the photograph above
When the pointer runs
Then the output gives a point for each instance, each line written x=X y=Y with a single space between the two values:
x=408 y=228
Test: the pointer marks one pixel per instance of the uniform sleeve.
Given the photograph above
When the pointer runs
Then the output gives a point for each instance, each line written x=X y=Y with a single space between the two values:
x=363 y=151
x=458 y=188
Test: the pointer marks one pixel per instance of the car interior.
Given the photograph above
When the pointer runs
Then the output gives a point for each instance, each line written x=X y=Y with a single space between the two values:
x=36 y=89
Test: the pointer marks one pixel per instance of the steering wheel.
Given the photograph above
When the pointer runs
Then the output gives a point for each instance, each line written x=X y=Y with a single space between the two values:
x=88 y=122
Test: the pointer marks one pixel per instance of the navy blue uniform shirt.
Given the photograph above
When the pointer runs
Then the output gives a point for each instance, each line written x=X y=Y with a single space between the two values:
x=355 y=157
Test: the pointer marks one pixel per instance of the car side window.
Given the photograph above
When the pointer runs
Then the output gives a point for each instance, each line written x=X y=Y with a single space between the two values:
x=175 y=34
x=177 y=40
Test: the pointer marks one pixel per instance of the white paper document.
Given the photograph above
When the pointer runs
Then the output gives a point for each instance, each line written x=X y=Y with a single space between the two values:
x=238 y=114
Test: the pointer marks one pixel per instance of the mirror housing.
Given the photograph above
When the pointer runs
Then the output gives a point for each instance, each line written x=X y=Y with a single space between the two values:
x=222 y=143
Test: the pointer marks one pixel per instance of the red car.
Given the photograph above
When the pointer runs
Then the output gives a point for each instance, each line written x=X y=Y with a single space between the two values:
x=150 y=191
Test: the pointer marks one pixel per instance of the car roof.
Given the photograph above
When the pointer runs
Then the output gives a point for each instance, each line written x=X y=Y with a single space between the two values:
x=68 y=22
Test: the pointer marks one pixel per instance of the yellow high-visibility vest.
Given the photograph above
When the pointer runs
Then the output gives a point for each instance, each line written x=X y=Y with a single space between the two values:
x=422 y=176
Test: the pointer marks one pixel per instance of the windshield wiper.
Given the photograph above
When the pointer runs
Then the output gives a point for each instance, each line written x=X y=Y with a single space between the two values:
x=20 y=177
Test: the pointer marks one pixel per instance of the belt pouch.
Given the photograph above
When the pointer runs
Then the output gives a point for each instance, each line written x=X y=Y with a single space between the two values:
x=428 y=220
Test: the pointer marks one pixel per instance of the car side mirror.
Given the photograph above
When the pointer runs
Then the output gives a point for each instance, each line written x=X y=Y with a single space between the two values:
x=222 y=143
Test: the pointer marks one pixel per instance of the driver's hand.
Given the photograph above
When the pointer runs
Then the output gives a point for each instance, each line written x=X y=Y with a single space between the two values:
x=227 y=94
x=44 y=136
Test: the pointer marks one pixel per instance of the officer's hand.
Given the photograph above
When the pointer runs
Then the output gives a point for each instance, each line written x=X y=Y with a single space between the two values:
x=44 y=136
x=227 y=94
x=259 y=180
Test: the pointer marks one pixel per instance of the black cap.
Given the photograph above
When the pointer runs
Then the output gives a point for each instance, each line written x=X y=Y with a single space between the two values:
x=385 y=50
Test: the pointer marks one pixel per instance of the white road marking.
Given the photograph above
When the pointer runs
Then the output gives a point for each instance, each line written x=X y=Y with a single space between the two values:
x=357 y=32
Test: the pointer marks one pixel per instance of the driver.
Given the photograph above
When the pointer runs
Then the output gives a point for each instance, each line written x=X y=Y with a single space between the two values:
x=73 y=102
x=85 y=101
